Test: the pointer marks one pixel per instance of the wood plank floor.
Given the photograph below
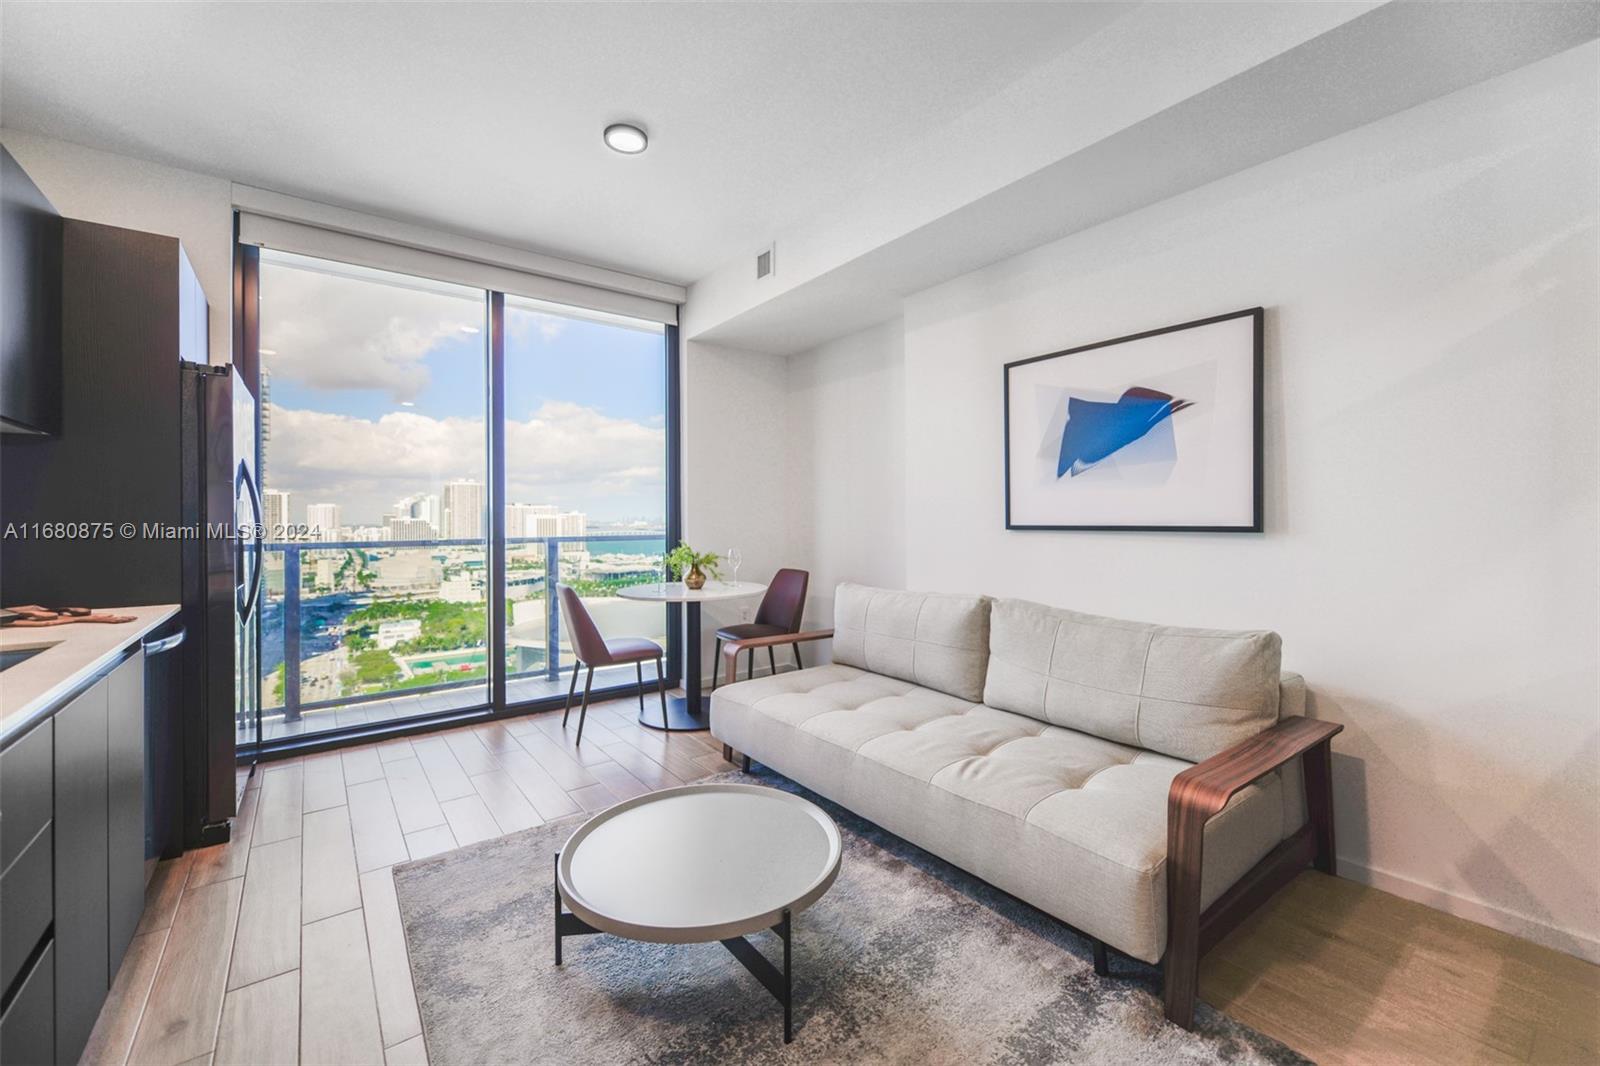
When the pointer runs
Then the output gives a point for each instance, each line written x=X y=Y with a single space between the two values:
x=284 y=945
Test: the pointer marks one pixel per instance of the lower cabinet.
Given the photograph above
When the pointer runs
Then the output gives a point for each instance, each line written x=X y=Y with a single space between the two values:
x=72 y=861
x=82 y=952
x=26 y=1032
x=99 y=846
x=125 y=814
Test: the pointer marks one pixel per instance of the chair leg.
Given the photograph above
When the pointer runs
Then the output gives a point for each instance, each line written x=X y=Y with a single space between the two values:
x=638 y=670
x=588 y=679
x=772 y=659
x=570 y=690
x=716 y=664
x=799 y=663
x=727 y=753
x=746 y=764
x=752 y=670
x=661 y=690
x=1101 y=965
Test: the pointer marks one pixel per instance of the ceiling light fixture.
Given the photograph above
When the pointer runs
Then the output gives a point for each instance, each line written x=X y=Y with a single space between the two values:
x=470 y=329
x=407 y=403
x=267 y=351
x=629 y=140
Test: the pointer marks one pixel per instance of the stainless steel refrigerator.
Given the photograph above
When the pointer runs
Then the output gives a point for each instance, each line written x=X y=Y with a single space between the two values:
x=222 y=587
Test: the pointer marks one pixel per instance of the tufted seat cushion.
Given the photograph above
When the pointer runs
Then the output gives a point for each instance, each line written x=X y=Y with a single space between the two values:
x=1072 y=823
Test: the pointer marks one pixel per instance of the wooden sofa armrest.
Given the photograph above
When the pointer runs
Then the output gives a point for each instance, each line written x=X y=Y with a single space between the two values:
x=1205 y=788
x=1195 y=797
x=732 y=648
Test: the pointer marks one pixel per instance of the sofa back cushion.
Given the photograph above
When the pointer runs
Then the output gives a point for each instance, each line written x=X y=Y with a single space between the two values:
x=1188 y=693
x=935 y=640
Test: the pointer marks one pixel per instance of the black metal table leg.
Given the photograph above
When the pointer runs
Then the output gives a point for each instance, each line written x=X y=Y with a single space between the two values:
x=779 y=982
x=567 y=924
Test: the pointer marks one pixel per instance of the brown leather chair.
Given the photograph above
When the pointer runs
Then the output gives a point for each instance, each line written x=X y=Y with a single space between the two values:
x=780 y=611
x=590 y=649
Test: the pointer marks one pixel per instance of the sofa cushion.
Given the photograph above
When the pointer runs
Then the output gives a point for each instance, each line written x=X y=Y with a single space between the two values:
x=934 y=640
x=1188 y=693
x=1072 y=823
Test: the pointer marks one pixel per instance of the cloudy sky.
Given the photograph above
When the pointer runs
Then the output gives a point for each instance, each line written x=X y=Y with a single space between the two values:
x=377 y=389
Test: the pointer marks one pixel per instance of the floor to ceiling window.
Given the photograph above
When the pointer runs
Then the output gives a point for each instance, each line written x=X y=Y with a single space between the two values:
x=374 y=463
x=586 y=481
x=377 y=486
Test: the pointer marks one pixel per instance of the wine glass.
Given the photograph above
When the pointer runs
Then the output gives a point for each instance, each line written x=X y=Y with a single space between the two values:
x=734 y=559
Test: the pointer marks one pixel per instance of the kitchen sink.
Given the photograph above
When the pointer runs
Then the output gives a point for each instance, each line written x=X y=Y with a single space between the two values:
x=10 y=657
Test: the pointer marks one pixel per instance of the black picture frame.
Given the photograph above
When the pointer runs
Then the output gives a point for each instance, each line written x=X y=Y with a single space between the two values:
x=1257 y=523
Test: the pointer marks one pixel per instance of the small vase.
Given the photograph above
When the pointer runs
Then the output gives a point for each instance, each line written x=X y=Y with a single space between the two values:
x=694 y=579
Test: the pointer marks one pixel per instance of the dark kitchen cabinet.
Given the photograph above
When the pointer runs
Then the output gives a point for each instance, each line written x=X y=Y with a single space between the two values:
x=72 y=861
x=26 y=1033
x=82 y=948
x=99 y=845
x=131 y=313
x=30 y=304
x=26 y=895
x=125 y=817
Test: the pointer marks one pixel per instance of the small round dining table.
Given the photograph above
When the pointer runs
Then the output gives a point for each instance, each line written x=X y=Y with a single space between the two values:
x=688 y=712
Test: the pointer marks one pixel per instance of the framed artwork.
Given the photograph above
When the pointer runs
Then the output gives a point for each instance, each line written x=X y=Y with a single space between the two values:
x=1156 y=431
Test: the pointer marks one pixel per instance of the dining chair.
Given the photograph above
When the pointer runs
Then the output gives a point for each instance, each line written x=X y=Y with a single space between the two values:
x=590 y=649
x=780 y=611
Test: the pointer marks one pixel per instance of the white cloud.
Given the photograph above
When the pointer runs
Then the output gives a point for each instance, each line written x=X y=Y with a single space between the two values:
x=334 y=332
x=522 y=323
x=566 y=453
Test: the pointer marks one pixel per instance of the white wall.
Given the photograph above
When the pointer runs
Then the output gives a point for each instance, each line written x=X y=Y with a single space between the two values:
x=734 y=454
x=118 y=191
x=847 y=464
x=1431 y=449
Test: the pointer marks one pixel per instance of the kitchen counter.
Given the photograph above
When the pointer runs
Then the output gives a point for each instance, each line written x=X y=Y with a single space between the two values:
x=72 y=656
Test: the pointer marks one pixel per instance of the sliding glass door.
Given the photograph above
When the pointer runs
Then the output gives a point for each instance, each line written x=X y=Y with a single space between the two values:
x=382 y=571
x=374 y=465
x=586 y=484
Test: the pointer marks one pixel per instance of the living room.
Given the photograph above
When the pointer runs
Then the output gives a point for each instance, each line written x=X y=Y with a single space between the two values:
x=1049 y=532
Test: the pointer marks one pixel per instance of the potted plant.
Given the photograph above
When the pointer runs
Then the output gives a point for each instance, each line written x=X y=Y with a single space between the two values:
x=692 y=566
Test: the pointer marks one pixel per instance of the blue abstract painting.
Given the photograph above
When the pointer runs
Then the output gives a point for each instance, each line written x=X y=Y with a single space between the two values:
x=1096 y=430
x=1157 y=430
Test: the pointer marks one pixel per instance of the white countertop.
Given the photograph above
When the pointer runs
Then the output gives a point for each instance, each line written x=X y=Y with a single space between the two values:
x=73 y=654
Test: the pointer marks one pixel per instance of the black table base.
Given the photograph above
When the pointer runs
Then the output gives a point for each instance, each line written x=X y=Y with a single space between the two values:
x=779 y=982
x=687 y=713
x=681 y=718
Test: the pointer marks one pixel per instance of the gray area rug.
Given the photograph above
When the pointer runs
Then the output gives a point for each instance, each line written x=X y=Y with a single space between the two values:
x=905 y=960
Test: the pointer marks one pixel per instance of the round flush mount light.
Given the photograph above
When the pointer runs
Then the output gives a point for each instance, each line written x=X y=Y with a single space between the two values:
x=629 y=140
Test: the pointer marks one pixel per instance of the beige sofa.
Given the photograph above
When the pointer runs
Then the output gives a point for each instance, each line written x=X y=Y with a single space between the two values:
x=1140 y=783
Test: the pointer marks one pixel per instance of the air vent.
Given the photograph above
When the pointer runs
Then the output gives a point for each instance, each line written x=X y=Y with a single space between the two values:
x=765 y=263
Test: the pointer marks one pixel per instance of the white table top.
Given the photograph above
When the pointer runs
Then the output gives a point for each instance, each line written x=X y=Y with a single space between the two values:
x=678 y=592
x=699 y=863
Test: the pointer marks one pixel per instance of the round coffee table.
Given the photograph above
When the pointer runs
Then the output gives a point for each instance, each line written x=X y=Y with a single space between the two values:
x=700 y=863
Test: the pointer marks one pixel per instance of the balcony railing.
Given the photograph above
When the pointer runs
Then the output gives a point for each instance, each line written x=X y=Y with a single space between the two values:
x=286 y=607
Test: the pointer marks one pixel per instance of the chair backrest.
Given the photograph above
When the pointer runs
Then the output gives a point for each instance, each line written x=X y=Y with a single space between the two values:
x=587 y=643
x=785 y=601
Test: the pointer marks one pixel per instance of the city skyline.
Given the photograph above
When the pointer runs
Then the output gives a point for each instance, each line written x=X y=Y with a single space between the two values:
x=423 y=516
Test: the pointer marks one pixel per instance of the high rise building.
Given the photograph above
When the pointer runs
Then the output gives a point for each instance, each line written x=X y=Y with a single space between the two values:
x=265 y=418
x=545 y=520
x=275 y=513
x=463 y=509
x=421 y=505
x=521 y=518
x=399 y=528
x=323 y=520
